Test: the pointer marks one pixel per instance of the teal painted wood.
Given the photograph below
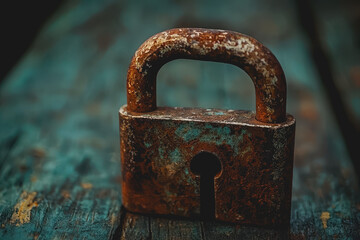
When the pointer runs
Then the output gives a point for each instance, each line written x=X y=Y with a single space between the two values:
x=59 y=141
x=59 y=136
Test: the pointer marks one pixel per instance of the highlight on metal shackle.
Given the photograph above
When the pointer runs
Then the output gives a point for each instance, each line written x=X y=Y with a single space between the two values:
x=208 y=45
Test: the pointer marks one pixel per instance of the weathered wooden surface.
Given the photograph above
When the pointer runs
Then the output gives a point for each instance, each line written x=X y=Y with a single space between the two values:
x=59 y=141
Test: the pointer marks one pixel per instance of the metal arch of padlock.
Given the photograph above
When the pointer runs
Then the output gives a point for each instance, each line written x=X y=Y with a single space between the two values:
x=158 y=144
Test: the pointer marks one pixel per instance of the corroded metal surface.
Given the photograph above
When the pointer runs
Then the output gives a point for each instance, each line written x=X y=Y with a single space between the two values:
x=210 y=45
x=254 y=185
x=255 y=150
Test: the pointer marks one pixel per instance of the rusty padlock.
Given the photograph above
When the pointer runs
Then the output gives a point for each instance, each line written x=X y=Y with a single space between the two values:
x=163 y=149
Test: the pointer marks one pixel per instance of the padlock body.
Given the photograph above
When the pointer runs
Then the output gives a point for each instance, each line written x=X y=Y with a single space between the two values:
x=255 y=181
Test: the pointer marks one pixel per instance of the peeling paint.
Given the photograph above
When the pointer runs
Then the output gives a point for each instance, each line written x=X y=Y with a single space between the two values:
x=325 y=216
x=112 y=220
x=86 y=185
x=22 y=210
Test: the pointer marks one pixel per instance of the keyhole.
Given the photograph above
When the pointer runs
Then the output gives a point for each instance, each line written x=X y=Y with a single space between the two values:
x=207 y=165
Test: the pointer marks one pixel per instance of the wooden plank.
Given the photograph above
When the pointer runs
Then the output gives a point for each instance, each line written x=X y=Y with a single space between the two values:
x=163 y=228
x=217 y=231
x=136 y=227
x=59 y=143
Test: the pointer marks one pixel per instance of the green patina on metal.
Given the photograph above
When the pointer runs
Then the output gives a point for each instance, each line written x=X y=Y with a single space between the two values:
x=188 y=132
x=175 y=156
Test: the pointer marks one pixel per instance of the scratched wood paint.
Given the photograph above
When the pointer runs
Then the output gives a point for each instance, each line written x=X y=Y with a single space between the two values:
x=59 y=124
x=22 y=209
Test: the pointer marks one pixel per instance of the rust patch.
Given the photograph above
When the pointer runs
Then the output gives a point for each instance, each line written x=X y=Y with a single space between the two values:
x=254 y=186
x=36 y=235
x=38 y=153
x=22 y=210
x=33 y=178
x=209 y=45
x=65 y=194
x=159 y=143
x=86 y=185
x=325 y=216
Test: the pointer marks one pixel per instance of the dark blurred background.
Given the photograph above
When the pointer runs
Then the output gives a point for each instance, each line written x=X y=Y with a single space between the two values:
x=20 y=23
x=22 y=20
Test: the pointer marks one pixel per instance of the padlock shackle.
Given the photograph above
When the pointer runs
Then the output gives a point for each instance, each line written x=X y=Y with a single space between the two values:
x=208 y=45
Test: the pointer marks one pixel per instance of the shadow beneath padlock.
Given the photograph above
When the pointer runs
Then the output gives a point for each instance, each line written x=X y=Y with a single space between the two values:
x=144 y=226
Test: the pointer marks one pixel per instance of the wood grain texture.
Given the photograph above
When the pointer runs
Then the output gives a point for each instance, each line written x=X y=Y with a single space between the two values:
x=138 y=226
x=59 y=141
